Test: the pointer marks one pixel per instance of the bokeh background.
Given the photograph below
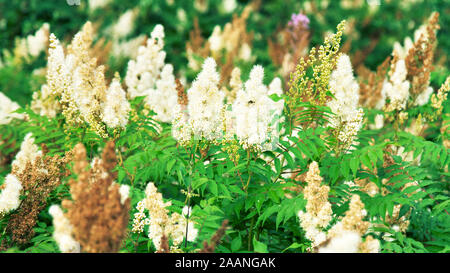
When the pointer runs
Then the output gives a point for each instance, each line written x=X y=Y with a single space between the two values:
x=374 y=27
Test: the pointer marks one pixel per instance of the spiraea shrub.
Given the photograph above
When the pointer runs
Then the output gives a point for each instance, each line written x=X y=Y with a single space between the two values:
x=224 y=126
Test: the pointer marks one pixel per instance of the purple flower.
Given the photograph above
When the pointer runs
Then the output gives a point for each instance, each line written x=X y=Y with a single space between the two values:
x=296 y=19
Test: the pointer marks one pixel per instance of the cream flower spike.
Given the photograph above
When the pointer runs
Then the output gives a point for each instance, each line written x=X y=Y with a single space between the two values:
x=10 y=195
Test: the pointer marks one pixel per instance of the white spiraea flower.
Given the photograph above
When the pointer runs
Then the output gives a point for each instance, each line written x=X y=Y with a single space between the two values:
x=318 y=209
x=63 y=231
x=37 y=43
x=186 y=212
x=177 y=229
x=139 y=218
x=116 y=107
x=28 y=153
x=159 y=222
x=164 y=96
x=397 y=88
x=43 y=103
x=193 y=62
x=124 y=191
x=59 y=79
x=89 y=97
x=129 y=48
x=379 y=122
x=276 y=109
x=345 y=88
x=318 y=212
x=348 y=117
x=182 y=19
x=10 y=195
x=149 y=76
x=215 y=40
x=158 y=214
x=143 y=72
x=245 y=52
x=201 y=5
x=224 y=39
x=371 y=245
x=59 y=68
x=424 y=97
x=7 y=109
x=254 y=111
x=192 y=232
x=346 y=235
x=251 y=110
x=309 y=224
x=229 y=5
x=75 y=84
x=402 y=51
x=422 y=30
x=205 y=102
x=96 y=4
x=347 y=242
x=125 y=25
x=181 y=130
x=349 y=130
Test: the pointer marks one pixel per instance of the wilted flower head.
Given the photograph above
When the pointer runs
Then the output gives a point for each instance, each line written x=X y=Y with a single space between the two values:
x=99 y=209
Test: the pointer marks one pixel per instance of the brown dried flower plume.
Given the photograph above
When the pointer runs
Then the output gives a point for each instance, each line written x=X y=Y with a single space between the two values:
x=39 y=179
x=215 y=239
x=98 y=217
x=419 y=61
